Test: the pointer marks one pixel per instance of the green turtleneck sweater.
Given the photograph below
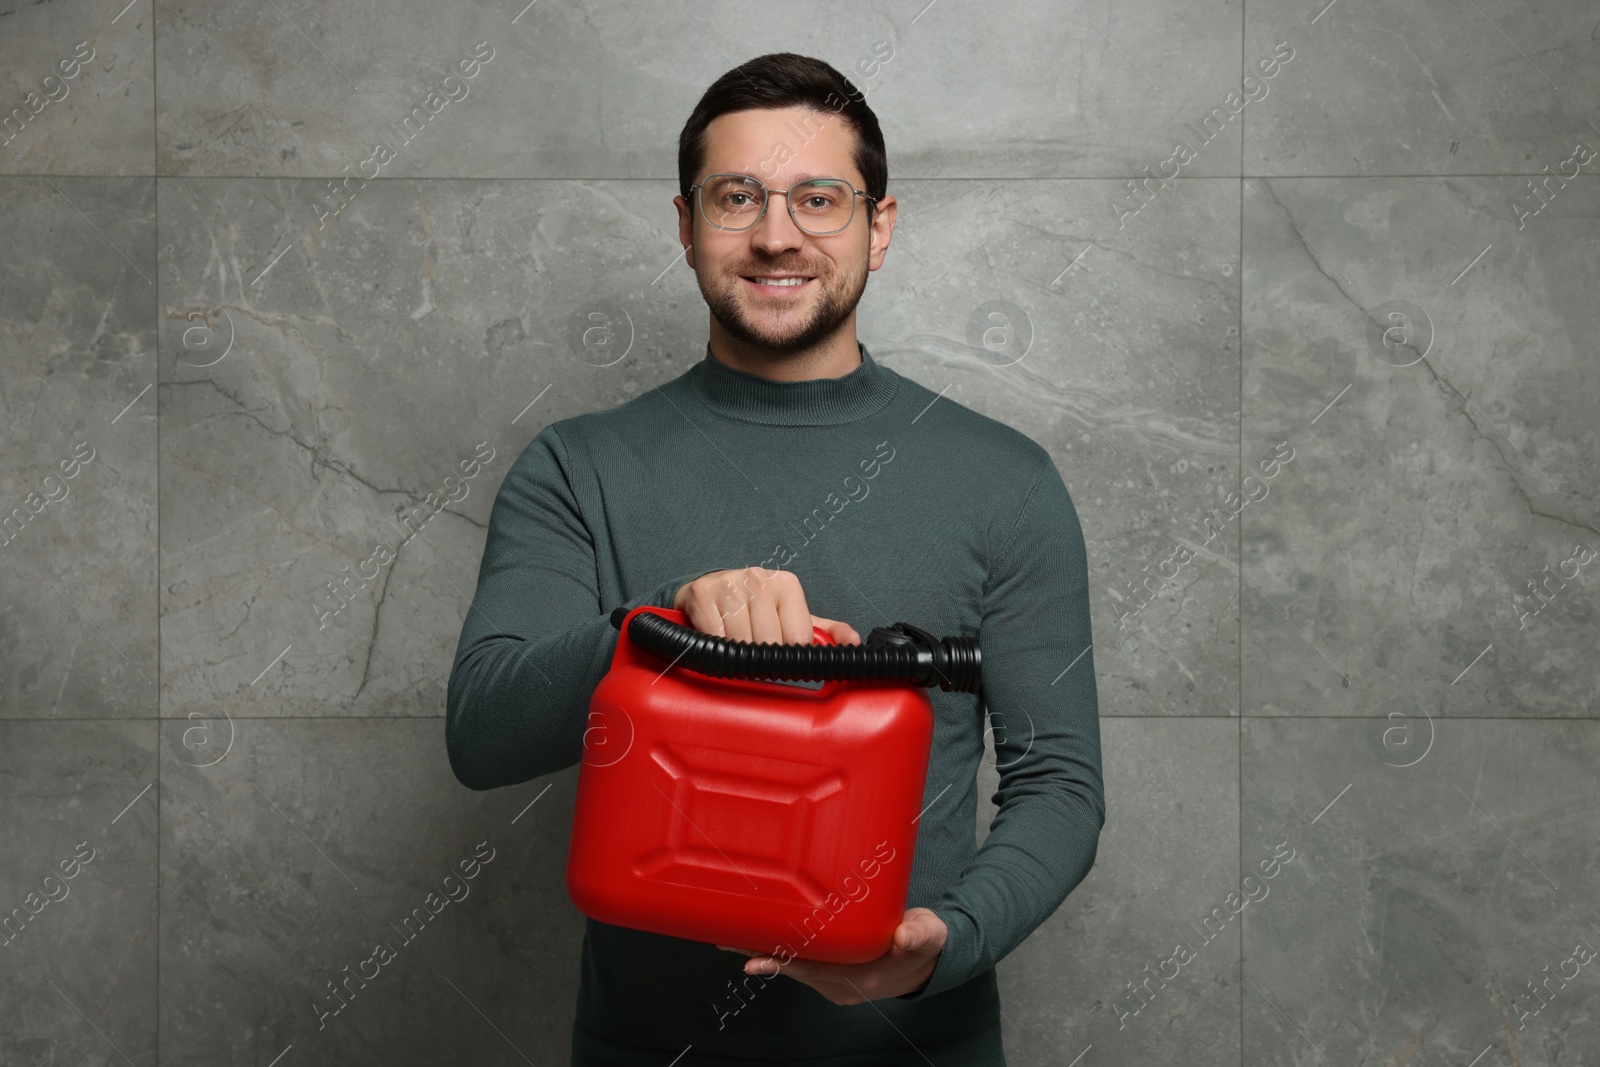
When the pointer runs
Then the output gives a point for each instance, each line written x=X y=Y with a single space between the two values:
x=888 y=501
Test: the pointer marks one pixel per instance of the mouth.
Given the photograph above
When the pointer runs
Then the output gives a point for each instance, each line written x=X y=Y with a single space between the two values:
x=779 y=286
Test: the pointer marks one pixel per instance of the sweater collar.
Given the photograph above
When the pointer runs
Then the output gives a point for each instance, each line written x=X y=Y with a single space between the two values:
x=749 y=397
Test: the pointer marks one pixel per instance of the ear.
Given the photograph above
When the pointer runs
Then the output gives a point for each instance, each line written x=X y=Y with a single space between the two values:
x=882 y=228
x=685 y=228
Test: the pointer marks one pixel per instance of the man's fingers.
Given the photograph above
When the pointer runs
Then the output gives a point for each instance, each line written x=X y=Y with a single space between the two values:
x=738 y=620
x=804 y=970
x=703 y=608
x=755 y=604
x=793 y=615
x=838 y=992
x=765 y=624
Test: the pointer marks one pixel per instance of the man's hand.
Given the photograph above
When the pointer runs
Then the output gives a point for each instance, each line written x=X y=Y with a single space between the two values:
x=752 y=604
x=905 y=968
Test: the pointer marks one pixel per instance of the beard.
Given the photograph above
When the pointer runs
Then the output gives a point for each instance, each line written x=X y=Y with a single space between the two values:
x=786 y=328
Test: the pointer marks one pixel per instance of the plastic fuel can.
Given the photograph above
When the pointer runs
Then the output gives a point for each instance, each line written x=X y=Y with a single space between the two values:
x=749 y=813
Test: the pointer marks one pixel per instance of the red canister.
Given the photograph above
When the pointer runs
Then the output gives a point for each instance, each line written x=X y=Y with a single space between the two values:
x=748 y=813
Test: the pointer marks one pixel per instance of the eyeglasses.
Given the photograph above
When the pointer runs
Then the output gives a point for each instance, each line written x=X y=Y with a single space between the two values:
x=737 y=202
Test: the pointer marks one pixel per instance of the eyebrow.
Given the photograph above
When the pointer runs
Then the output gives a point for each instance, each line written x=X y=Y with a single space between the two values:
x=803 y=177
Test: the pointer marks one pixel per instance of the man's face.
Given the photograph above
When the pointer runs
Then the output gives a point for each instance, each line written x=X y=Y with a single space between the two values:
x=781 y=147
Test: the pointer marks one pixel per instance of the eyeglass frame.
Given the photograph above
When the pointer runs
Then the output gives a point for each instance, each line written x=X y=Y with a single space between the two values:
x=769 y=193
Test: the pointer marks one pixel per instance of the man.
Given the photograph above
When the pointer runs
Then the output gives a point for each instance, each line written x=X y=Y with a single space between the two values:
x=788 y=469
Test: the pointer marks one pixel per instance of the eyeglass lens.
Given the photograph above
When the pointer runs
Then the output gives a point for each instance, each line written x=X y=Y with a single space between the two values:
x=821 y=205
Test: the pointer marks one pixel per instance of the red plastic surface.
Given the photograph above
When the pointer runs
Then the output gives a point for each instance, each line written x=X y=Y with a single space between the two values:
x=747 y=813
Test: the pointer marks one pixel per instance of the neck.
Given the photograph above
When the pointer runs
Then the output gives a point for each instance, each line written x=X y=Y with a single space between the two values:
x=833 y=358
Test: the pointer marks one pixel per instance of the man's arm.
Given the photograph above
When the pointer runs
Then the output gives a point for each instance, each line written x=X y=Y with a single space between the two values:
x=534 y=643
x=1038 y=683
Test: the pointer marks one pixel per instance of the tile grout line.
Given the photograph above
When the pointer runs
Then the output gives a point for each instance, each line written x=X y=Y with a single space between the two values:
x=1243 y=121
x=997 y=179
x=155 y=193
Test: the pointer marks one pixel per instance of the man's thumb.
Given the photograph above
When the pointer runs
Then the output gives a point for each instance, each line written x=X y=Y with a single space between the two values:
x=841 y=632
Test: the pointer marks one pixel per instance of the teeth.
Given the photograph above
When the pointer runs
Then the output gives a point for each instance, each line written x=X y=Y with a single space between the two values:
x=781 y=281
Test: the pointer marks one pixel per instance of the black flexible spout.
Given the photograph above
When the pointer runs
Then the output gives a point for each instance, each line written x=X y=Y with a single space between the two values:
x=898 y=653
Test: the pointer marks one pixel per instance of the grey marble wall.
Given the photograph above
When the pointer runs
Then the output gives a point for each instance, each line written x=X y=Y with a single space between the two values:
x=1325 y=400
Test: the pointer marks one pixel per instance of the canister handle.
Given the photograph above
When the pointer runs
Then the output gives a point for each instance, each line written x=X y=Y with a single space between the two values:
x=629 y=652
x=819 y=636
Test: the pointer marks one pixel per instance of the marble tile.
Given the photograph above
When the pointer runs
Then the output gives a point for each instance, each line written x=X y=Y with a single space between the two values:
x=1045 y=91
x=78 y=901
x=1429 y=892
x=1391 y=89
x=1169 y=853
x=309 y=844
x=78 y=91
x=1442 y=423
x=78 y=466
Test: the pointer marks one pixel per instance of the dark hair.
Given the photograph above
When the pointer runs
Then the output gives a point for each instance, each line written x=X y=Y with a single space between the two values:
x=779 y=80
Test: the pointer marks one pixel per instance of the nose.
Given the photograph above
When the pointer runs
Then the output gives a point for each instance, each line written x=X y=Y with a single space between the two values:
x=777 y=230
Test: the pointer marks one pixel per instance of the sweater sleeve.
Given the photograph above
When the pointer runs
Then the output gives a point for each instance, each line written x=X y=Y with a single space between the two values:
x=1039 y=687
x=535 y=642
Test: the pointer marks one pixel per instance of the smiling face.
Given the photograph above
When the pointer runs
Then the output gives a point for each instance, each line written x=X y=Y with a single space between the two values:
x=809 y=326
